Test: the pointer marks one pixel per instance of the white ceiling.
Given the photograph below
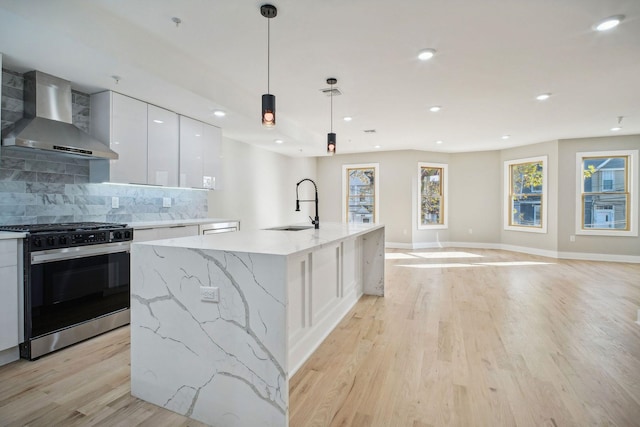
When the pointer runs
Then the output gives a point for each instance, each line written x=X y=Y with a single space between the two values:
x=493 y=57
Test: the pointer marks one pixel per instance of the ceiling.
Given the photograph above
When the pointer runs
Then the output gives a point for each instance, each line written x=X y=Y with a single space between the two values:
x=493 y=57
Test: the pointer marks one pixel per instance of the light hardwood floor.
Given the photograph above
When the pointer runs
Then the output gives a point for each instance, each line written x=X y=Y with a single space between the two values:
x=462 y=338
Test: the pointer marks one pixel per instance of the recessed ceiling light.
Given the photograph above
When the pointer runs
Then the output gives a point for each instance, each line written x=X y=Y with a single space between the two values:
x=435 y=108
x=543 y=96
x=347 y=118
x=616 y=129
x=608 y=23
x=278 y=141
x=506 y=136
x=426 y=54
x=376 y=146
x=219 y=113
x=197 y=134
x=439 y=142
x=157 y=121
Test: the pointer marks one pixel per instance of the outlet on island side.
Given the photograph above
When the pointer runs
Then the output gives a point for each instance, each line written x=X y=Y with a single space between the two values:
x=210 y=293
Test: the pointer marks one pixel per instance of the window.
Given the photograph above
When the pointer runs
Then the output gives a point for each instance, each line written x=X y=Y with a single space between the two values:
x=432 y=196
x=607 y=193
x=526 y=194
x=360 y=193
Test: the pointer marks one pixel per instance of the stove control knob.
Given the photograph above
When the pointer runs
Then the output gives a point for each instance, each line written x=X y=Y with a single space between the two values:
x=51 y=241
x=37 y=242
x=127 y=234
x=63 y=240
x=117 y=235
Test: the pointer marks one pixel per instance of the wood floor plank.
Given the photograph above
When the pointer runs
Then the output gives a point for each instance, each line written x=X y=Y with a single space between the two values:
x=462 y=338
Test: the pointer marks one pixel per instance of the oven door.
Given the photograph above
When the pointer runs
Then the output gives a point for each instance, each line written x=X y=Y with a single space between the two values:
x=71 y=286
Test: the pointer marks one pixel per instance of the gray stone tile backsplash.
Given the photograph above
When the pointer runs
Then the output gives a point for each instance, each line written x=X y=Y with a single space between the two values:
x=40 y=187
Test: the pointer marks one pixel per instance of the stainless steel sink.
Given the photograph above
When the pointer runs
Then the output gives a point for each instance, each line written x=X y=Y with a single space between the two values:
x=292 y=227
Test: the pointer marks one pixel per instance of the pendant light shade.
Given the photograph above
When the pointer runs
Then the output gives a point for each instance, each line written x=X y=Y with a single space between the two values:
x=268 y=100
x=331 y=137
x=331 y=143
x=268 y=110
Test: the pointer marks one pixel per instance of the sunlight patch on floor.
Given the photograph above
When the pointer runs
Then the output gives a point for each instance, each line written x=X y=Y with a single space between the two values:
x=430 y=255
x=515 y=263
x=445 y=255
x=452 y=265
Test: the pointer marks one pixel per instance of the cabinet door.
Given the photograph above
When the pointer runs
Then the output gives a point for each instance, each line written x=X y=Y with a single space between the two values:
x=128 y=139
x=211 y=157
x=191 y=149
x=8 y=294
x=162 y=148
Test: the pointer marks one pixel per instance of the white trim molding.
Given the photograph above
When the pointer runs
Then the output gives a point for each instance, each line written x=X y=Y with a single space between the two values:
x=376 y=188
x=632 y=187
x=445 y=195
x=507 y=195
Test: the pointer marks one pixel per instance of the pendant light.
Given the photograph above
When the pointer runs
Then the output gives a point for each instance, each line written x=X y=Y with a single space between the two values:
x=331 y=137
x=268 y=101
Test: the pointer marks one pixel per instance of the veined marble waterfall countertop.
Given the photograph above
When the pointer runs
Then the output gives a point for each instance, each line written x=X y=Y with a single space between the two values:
x=271 y=242
x=220 y=322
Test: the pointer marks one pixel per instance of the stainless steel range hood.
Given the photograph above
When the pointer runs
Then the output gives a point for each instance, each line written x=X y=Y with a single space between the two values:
x=47 y=121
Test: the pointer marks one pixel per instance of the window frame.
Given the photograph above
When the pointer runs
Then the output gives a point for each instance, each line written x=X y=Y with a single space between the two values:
x=376 y=189
x=631 y=180
x=445 y=195
x=508 y=208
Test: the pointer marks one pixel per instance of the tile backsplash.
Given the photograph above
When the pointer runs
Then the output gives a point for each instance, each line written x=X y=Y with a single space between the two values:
x=41 y=187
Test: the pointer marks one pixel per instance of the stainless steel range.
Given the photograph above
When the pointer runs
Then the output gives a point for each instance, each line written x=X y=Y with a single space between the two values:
x=76 y=283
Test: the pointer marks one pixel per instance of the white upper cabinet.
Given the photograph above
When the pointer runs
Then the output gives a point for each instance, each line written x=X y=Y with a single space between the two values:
x=191 y=143
x=199 y=154
x=162 y=147
x=121 y=122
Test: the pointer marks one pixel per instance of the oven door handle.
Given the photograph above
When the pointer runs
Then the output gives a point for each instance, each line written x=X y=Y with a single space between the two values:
x=52 y=255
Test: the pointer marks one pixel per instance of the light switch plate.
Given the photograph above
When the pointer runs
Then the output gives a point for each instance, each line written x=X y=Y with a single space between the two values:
x=115 y=202
x=166 y=202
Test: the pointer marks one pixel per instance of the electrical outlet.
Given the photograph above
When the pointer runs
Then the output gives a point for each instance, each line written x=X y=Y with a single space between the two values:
x=471 y=231
x=115 y=202
x=166 y=202
x=572 y=238
x=209 y=293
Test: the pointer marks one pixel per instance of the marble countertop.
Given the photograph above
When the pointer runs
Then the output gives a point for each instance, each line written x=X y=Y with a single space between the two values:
x=12 y=235
x=177 y=222
x=273 y=242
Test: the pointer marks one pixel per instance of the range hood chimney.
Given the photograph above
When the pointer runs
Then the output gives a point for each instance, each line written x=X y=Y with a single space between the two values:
x=47 y=121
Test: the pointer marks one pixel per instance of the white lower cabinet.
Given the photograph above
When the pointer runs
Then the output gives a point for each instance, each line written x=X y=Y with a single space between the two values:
x=159 y=233
x=323 y=286
x=9 y=302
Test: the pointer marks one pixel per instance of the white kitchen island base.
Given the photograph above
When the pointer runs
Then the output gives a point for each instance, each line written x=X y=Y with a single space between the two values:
x=280 y=294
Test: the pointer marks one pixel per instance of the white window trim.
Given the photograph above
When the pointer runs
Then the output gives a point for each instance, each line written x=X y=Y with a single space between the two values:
x=507 y=194
x=632 y=179
x=445 y=191
x=376 y=203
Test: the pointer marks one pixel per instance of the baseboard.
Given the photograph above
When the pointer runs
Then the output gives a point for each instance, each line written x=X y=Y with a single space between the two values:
x=584 y=256
x=599 y=257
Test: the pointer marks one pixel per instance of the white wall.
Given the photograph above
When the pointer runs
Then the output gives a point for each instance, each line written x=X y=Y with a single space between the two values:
x=474 y=197
x=259 y=187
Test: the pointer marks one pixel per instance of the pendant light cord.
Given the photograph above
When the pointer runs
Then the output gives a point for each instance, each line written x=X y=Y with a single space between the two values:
x=331 y=108
x=268 y=52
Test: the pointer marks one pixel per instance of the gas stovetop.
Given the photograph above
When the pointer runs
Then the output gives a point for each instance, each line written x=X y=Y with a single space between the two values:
x=64 y=226
x=70 y=234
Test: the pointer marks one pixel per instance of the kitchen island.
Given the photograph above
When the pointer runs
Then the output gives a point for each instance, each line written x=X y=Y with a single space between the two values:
x=278 y=295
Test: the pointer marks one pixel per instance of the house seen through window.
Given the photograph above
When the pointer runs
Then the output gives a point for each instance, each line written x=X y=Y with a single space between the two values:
x=607 y=192
x=361 y=193
x=525 y=191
